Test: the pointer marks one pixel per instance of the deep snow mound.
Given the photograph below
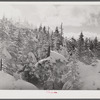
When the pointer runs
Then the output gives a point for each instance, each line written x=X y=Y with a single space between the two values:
x=8 y=82
x=23 y=85
x=54 y=56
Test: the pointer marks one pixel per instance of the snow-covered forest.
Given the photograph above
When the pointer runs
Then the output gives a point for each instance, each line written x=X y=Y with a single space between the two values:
x=43 y=59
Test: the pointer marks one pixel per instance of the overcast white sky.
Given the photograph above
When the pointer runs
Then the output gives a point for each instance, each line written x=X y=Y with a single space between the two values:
x=53 y=14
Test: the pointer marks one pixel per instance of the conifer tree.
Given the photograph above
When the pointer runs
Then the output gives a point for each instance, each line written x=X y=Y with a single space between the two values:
x=95 y=42
x=57 y=39
x=91 y=46
x=81 y=44
x=86 y=43
x=52 y=41
x=40 y=28
x=61 y=33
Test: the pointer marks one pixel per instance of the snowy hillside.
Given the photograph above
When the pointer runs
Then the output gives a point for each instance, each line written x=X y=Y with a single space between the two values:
x=89 y=75
x=9 y=82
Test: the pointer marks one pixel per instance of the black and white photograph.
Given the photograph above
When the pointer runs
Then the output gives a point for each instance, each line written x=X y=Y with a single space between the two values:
x=49 y=46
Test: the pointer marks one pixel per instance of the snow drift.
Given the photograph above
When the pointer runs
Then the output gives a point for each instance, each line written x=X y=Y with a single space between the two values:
x=54 y=56
x=8 y=82
x=89 y=75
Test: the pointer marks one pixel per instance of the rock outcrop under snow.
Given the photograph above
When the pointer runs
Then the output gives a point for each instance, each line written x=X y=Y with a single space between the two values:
x=54 y=56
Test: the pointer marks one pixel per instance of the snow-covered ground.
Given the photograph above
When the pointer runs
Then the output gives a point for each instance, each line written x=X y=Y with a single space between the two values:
x=56 y=56
x=8 y=82
x=89 y=75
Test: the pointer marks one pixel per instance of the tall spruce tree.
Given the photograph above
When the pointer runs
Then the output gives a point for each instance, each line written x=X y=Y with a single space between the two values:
x=57 y=39
x=61 y=27
x=86 y=43
x=81 y=44
x=95 y=42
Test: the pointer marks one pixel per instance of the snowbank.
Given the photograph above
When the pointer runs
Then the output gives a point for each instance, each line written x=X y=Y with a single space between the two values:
x=56 y=56
x=8 y=82
x=23 y=85
x=89 y=75
x=53 y=57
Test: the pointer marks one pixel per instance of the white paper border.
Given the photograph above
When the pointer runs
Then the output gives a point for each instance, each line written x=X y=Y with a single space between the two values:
x=44 y=94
